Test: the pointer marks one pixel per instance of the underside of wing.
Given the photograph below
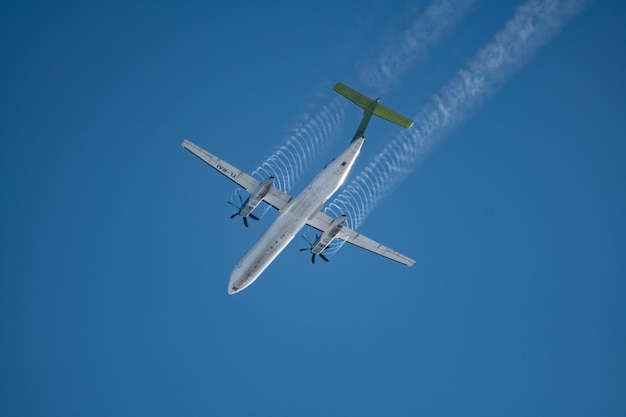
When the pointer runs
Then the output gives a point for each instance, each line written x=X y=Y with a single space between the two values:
x=321 y=221
x=277 y=198
x=274 y=197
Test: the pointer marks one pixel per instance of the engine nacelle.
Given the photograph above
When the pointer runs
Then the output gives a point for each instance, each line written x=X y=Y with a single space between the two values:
x=328 y=236
x=256 y=197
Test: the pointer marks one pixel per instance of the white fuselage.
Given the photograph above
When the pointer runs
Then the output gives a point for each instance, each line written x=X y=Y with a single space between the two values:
x=293 y=217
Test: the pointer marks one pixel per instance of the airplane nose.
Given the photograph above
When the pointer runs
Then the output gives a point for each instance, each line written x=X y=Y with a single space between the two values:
x=234 y=284
x=242 y=277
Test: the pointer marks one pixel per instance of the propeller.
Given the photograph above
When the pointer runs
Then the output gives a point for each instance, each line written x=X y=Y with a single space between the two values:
x=245 y=218
x=324 y=258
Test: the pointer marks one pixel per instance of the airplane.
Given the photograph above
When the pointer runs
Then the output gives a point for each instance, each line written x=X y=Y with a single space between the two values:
x=305 y=208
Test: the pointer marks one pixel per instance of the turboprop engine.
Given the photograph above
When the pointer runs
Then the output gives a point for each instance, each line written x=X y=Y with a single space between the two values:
x=255 y=198
x=325 y=238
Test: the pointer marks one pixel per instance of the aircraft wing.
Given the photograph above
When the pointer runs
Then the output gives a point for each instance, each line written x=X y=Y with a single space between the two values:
x=274 y=197
x=279 y=199
x=321 y=222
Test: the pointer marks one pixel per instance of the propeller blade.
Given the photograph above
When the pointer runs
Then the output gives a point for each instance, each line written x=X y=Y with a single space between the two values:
x=310 y=248
x=245 y=219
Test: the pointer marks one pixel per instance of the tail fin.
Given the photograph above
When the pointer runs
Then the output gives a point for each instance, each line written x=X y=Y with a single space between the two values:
x=371 y=107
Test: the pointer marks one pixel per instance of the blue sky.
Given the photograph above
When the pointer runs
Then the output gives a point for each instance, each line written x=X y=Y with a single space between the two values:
x=117 y=246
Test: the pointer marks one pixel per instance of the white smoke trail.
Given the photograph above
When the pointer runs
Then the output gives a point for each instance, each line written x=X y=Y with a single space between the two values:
x=437 y=20
x=290 y=160
x=535 y=23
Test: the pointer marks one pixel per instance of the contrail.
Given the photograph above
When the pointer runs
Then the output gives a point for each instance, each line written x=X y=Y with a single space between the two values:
x=534 y=24
x=436 y=21
x=304 y=144
x=290 y=160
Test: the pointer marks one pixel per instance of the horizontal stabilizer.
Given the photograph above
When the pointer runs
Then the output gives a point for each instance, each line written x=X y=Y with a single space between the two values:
x=394 y=117
x=365 y=102
x=354 y=96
